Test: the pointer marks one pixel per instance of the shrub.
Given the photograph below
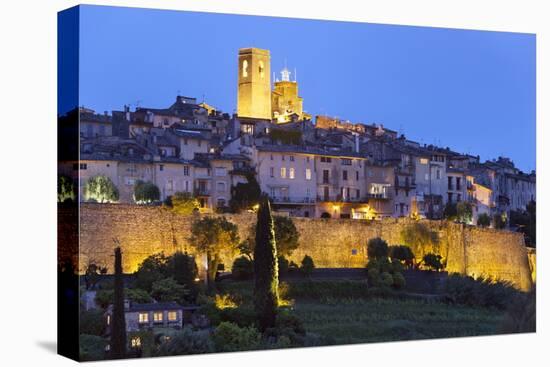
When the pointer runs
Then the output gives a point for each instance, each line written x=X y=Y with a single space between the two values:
x=100 y=189
x=183 y=203
x=373 y=275
x=386 y=279
x=168 y=290
x=432 y=262
x=65 y=189
x=464 y=212
x=241 y=316
x=92 y=347
x=483 y=220
x=242 y=268
x=229 y=337
x=500 y=221
x=283 y=265
x=186 y=341
x=420 y=238
x=402 y=254
x=521 y=314
x=146 y=192
x=377 y=248
x=482 y=292
x=307 y=266
x=450 y=211
x=287 y=236
x=92 y=322
x=398 y=281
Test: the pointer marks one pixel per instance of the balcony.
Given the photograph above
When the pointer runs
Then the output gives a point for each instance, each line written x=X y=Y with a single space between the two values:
x=379 y=196
x=340 y=199
x=296 y=200
x=201 y=191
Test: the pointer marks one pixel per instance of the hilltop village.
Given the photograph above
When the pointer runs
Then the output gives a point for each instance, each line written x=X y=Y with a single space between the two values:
x=310 y=166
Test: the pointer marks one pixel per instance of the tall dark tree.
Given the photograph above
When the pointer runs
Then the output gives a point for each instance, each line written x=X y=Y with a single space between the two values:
x=266 y=278
x=118 y=329
x=245 y=195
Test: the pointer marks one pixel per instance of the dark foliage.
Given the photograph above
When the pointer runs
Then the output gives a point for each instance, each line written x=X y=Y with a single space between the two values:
x=118 y=326
x=266 y=297
x=243 y=268
x=307 y=266
x=402 y=254
x=377 y=248
x=483 y=220
x=146 y=192
x=433 y=262
x=245 y=195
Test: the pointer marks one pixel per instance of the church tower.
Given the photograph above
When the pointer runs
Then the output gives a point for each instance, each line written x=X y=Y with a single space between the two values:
x=254 y=85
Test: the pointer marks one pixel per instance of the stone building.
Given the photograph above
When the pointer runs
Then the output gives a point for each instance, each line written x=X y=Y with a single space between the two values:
x=254 y=84
x=93 y=125
x=286 y=104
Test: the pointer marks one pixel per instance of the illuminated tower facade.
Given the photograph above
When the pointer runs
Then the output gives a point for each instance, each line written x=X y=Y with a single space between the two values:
x=254 y=85
x=285 y=102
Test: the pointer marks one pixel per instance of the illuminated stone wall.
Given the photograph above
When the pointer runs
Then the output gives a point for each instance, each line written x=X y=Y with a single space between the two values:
x=331 y=242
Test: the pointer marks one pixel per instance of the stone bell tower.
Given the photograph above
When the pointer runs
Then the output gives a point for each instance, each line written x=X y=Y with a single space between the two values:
x=254 y=84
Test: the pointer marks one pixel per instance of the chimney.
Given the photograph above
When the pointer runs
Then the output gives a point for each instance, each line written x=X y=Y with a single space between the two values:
x=356 y=142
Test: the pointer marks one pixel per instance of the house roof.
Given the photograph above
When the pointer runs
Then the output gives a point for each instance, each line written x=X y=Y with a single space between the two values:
x=159 y=306
x=307 y=150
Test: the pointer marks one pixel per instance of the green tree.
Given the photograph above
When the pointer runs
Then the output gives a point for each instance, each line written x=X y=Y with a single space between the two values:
x=183 y=203
x=377 y=248
x=100 y=189
x=93 y=274
x=500 y=220
x=266 y=296
x=420 y=238
x=183 y=268
x=402 y=254
x=151 y=269
x=118 y=325
x=146 y=192
x=65 y=189
x=432 y=261
x=307 y=266
x=464 y=212
x=92 y=347
x=186 y=341
x=229 y=337
x=243 y=268
x=483 y=220
x=287 y=237
x=245 y=195
x=168 y=290
x=92 y=322
x=450 y=212
x=526 y=222
x=213 y=236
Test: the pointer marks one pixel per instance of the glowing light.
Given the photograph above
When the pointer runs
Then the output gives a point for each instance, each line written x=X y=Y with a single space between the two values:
x=224 y=301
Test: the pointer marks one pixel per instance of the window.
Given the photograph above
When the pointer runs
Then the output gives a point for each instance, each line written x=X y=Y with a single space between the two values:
x=326 y=159
x=449 y=183
x=307 y=159
x=161 y=167
x=143 y=317
x=157 y=316
x=271 y=156
x=271 y=172
x=220 y=186
x=357 y=194
x=357 y=175
x=283 y=157
x=291 y=173
x=458 y=197
x=283 y=172
x=186 y=170
x=344 y=175
x=221 y=202
x=135 y=342
x=245 y=69
x=292 y=158
x=325 y=176
x=220 y=171
x=83 y=166
x=261 y=69
x=308 y=173
x=169 y=185
x=345 y=161
x=172 y=315
x=423 y=161
x=438 y=174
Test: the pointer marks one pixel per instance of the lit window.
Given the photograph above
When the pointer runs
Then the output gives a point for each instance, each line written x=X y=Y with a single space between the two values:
x=245 y=68
x=261 y=69
x=283 y=172
x=308 y=173
x=143 y=317
x=136 y=342
x=291 y=173
x=108 y=319
x=423 y=160
x=172 y=315
x=157 y=316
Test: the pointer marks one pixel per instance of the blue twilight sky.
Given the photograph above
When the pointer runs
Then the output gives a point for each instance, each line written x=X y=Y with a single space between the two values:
x=473 y=91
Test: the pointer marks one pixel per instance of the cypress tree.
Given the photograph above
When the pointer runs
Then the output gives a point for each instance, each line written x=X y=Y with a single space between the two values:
x=266 y=278
x=118 y=325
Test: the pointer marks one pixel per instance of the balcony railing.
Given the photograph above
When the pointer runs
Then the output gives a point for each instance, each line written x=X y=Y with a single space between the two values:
x=201 y=191
x=340 y=199
x=292 y=200
x=379 y=196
